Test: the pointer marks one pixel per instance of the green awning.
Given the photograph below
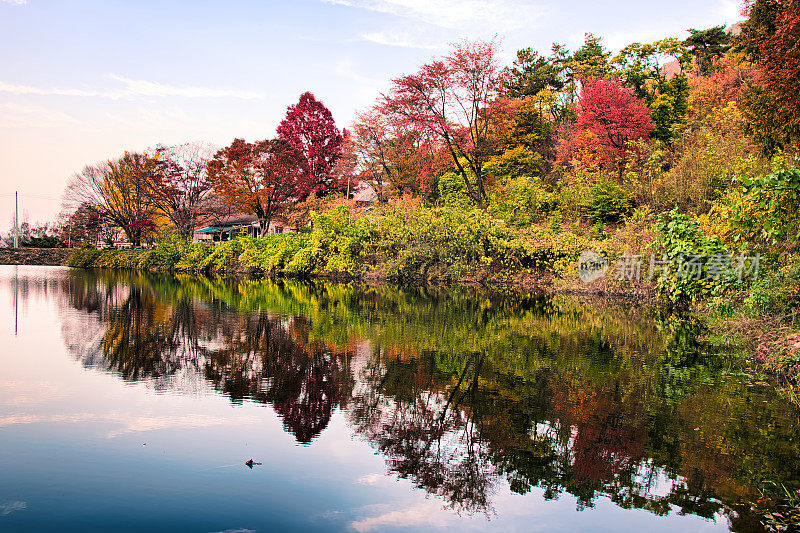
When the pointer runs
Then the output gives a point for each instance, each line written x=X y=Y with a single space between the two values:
x=214 y=229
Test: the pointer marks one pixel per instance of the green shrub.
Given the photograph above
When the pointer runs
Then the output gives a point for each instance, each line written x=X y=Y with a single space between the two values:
x=449 y=243
x=165 y=255
x=523 y=201
x=768 y=215
x=272 y=253
x=43 y=242
x=598 y=232
x=83 y=257
x=514 y=163
x=608 y=202
x=557 y=253
x=224 y=256
x=339 y=241
x=556 y=223
x=159 y=259
x=445 y=243
x=452 y=190
x=193 y=255
x=776 y=292
x=681 y=244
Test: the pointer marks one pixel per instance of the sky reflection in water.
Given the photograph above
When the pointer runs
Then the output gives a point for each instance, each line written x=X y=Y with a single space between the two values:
x=132 y=402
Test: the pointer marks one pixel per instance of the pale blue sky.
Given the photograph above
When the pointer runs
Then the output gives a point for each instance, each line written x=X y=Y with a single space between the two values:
x=83 y=80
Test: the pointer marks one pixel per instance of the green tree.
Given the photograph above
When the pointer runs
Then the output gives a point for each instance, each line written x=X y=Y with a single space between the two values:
x=640 y=66
x=590 y=60
x=759 y=26
x=707 y=45
x=532 y=73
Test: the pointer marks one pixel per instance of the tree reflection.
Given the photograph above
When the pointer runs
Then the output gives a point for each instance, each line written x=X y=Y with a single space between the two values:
x=465 y=393
x=270 y=359
x=426 y=432
x=254 y=355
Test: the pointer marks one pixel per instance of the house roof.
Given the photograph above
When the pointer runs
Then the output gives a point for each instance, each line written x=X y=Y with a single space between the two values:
x=237 y=219
x=213 y=229
x=365 y=194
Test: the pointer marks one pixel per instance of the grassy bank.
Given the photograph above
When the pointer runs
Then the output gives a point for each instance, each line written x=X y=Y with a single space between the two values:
x=427 y=244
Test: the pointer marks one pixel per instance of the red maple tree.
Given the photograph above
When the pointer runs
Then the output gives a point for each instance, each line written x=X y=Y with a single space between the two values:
x=610 y=118
x=780 y=60
x=261 y=178
x=450 y=99
x=391 y=156
x=309 y=127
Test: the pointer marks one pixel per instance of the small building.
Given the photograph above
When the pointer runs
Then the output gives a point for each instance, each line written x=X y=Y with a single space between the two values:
x=364 y=194
x=228 y=228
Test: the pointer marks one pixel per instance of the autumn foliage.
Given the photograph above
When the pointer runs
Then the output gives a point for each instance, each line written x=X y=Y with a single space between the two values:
x=610 y=119
x=180 y=186
x=780 y=59
x=450 y=99
x=309 y=128
x=259 y=178
x=392 y=155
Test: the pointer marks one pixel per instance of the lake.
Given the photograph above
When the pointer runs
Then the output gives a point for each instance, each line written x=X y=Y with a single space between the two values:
x=133 y=402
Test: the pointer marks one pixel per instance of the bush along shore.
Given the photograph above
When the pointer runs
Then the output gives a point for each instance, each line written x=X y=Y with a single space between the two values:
x=395 y=242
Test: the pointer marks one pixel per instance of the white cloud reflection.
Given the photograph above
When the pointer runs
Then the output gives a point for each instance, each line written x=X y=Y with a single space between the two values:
x=7 y=507
x=130 y=424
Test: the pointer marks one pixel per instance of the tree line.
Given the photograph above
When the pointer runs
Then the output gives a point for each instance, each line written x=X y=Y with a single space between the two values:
x=180 y=186
x=657 y=125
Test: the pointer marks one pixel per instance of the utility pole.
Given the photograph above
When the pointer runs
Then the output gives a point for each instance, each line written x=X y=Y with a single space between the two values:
x=16 y=299
x=348 y=198
x=16 y=219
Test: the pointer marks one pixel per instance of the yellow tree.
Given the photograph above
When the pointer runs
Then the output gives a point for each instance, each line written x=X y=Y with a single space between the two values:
x=119 y=191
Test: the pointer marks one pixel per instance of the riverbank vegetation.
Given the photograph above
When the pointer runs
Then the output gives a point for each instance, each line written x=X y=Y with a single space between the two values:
x=680 y=153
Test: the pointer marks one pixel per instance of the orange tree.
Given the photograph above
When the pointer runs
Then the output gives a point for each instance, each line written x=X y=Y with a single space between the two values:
x=261 y=178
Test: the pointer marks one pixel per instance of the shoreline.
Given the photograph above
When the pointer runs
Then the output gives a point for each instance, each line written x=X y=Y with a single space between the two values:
x=35 y=256
x=143 y=260
x=543 y=281
x=763 y=354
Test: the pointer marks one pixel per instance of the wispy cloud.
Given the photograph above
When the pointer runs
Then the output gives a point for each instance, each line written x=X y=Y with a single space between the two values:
x=346 y=68
x=26 y=392
x=373 y=479
x=152 y=88
x=426 y=515
x=132 y=89
x=397 y=38
x=15 y=2
x=39 y=91
x=20 y=116
x=493 y=16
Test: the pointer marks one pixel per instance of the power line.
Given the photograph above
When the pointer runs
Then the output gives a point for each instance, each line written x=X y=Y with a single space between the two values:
x=34 y=196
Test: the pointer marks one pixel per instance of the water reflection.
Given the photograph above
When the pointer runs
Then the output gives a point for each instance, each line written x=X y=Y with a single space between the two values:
x=463 y=393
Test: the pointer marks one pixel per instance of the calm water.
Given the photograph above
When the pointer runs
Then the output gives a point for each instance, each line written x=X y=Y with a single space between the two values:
x=131 y=402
